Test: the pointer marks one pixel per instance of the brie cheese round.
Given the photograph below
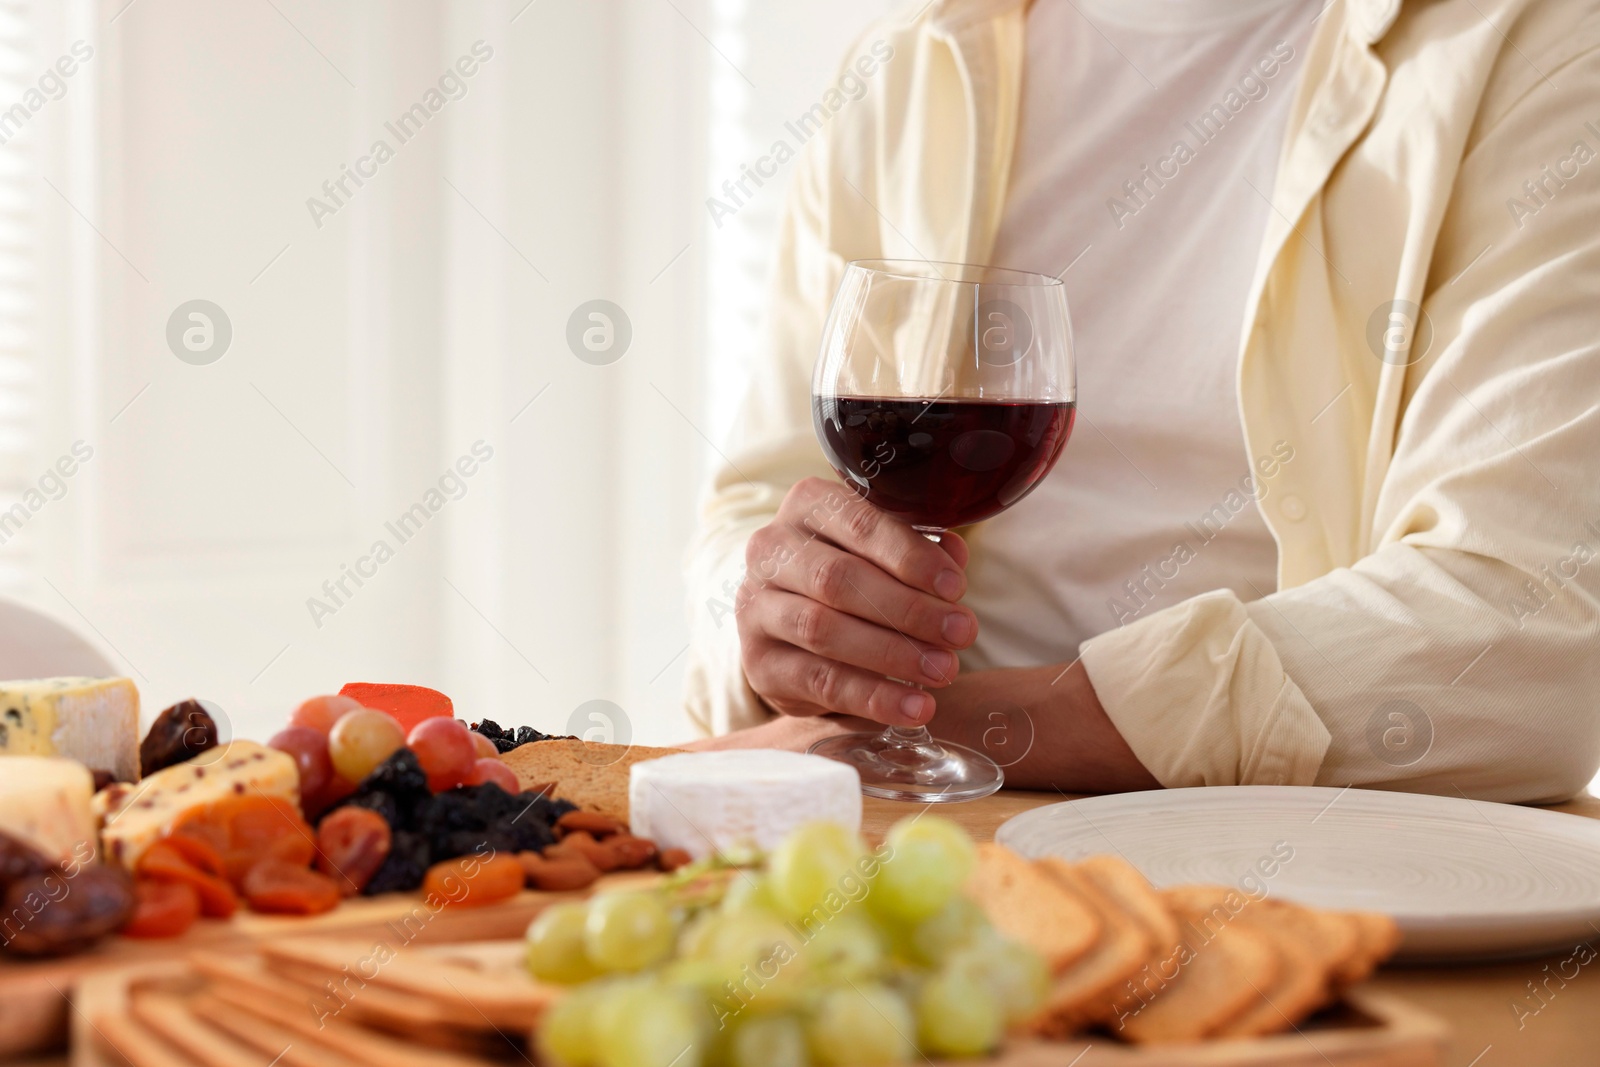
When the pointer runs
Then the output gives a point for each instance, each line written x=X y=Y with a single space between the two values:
x=738 y=803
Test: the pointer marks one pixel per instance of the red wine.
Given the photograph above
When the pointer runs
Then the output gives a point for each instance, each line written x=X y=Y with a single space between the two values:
x=941 y=463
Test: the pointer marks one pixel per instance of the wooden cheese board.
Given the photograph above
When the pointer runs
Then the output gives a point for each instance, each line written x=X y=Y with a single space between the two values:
x=33 y=993
x=1364 y=1030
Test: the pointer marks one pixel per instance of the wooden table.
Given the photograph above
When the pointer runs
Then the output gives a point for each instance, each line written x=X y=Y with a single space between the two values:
x=1477 y=1001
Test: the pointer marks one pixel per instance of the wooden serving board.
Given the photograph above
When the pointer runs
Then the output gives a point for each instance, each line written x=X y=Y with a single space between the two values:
x=1366 y=1030
x=33 y=993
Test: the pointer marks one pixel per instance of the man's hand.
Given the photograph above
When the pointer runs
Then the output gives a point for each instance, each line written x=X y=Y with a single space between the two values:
x=839 y=599
x=1044 y=725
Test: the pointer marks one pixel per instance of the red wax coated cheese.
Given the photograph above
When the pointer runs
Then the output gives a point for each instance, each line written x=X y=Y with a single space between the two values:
x=409 y=704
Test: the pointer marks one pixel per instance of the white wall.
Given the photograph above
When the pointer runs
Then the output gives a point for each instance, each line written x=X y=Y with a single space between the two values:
x=373 y=350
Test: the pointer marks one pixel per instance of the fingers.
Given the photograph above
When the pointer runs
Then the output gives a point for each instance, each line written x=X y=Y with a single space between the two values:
x=824 y=509
x=797 y=682
x=815 y=627
x=829 y=576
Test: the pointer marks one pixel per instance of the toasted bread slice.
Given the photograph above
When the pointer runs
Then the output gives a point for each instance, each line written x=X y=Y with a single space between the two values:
x=1301 y=985
x=1212 y=978
x=1085 y=992
x=1377 y=937
x=1122 y=882
x=591 y=774
x=1031 y=907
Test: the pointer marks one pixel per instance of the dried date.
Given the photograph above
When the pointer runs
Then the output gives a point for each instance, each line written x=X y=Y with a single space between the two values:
x=50 y=914
x=180 y=733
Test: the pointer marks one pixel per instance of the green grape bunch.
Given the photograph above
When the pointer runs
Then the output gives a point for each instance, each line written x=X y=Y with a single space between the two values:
x=828 y=954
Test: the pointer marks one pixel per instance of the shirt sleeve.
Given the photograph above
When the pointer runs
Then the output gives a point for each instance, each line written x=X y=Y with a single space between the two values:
x=1459 y=655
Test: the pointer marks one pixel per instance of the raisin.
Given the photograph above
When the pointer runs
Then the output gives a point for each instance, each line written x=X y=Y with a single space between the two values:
x=51 y=915
x=407 y=864
x=181 y=732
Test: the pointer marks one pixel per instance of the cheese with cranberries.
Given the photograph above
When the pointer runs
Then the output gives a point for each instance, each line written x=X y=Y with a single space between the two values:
x=92 y=720
x=135 y=815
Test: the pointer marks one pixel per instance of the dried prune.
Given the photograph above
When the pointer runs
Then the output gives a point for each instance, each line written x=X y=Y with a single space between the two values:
x=465 y=842
x=181 y=732
x=395 y=789
x=50 y=914
x=407 y=864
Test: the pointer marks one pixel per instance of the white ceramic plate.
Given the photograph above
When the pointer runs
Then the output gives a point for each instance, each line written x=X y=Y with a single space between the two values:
x=1463 y=878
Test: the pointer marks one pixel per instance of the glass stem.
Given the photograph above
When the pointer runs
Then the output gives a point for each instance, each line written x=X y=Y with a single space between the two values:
x=914 y=736
x=908 y=736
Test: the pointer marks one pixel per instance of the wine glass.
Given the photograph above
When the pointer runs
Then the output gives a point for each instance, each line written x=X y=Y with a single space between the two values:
x=943 y=394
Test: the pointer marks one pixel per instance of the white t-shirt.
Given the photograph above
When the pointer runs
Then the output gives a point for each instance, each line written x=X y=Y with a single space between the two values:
x=1150 y=133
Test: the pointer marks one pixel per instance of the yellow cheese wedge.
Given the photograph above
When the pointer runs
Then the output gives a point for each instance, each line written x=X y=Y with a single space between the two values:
x=135 y=815
x=93 y=720
x=44 y=802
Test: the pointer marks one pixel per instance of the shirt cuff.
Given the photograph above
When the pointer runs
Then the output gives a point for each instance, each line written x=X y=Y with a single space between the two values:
x=1200 y=695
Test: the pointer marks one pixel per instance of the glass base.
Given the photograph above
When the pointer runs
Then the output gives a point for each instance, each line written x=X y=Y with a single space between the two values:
x=908 y=764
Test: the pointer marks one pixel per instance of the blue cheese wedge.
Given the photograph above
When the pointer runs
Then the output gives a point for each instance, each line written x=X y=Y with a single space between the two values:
x=92 y=720
x=44 y=802
x=133 y=816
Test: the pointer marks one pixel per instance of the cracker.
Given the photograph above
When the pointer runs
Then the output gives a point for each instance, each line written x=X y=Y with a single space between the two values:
x=1211 y=979
x=1121 y=881
x=1032 y=908
x=169 y=1017
x=126 y=1040
x=1084 y=994
x=265 y=1037
x=591 y=774
x=333 y=991
x=349 y=1040
x=493 y=999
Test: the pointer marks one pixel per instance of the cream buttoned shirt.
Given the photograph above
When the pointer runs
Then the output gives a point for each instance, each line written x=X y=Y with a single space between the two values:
x=1423 y=327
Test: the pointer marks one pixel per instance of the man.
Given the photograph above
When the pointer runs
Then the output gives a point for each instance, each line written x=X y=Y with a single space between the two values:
x=1332 y=511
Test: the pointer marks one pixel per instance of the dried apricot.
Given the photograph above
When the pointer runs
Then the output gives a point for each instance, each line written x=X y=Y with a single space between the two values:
x=248 y=828
x=162 y=909
x=165 y=861
x=286 y=888
x=469 y=881
x=352 y=844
